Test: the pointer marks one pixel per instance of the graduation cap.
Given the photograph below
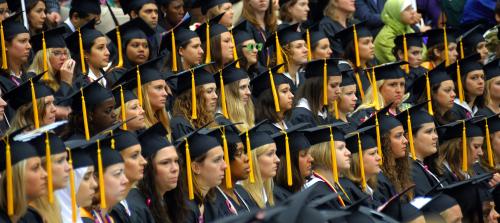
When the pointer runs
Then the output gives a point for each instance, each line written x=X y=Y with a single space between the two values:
x=27 y=92
x=88 y=6
x=357 y=142
x=10 y=27
x=323 y=68
x=154 y=139
x=227 y=75
x=254 y=139
x=492 y=69
x=468 y=41
x=208 y=4
x=133 y=29
x=313 y=35
x=427 y=81
x=178 y=36
x=48 y=39
x=123 y=93
x=288 y=141
x=394 y=207
x=441 y=36
x=327 y=133
x=190 y=79
x=347 y=78
x=135 y=5
x=405 y=41
x=208 y=30
x=15 y=5
x=15 y=152
x=353 y=33
x=269 y=79
x=413 y=118
x=385 y=71
x=281 y=37
x=459 y=70
x=192 y=146
x=240 y=33
x=489 y=126
x=81 y=40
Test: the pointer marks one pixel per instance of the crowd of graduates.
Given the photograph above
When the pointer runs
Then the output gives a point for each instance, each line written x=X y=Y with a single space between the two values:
x=249 y=111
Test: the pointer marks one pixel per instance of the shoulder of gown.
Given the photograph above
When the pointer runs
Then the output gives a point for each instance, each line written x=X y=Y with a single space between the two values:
x=180 y=126
x=4 y=218
x=139 y=211
x=360 y=116
x=302 y=115
x=280 y=194
x=321 y=189
x=246 y=196
x=31 y=216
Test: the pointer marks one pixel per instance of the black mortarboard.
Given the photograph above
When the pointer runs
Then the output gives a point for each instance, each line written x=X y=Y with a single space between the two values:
x=148 y=71
x=321 y=133
x=181 y=33
x=347 y=74
x=418 y=116
x=286 y=34
x=94 y=94
x=412 y=39
x=468 y=41
x=201 y=77
x=230 y=73
x=215 y=28
x=347 y=34
x=240 y=33
x=88 y=6
x=262 y=81
x=492 y=69
x=256 y=138
x=134 y=5
x=208 y=4
x=80 y=156
x=154 y=139
x=53 y=39
x=315 y=34
x=15 y=5
x=296 y=139
x=127 y=89
x=22 y=94
x=133 y=29
x=109 y=155
x=13 y=25
x=367 y=141
x=124 y=139
x=434 y=77
x=396 y=209
x=386 y=121
x=19 y=150
x=88 y=33
x=438 y=75
x=452 y=130
x=436 y=36
x=390 y=70
x=316 y=68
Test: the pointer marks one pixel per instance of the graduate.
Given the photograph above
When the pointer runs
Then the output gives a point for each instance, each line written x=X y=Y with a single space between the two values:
x=35 y=14
x=273 y=98
x=236 y=104
x=319 y=46
x=213 y=8
x=263 y=161
x=296 y=166
x=5 y=7
x=347 y=100
x=247 y=48
x=472 y=42
x=195 y=105
x=293 y=11
x=441 y=47
x=320 y=91
x=336 y=18
x=489 y=161
x=491 y=94
x=80 y=13
x=130 y=111
x=412 y=53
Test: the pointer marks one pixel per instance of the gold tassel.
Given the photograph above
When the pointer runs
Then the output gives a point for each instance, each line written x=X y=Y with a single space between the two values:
x=82 y=56
x=122 y=109
x=72 y=187
x=279 y=55
x=360 y=86
x=410 y=137
x=189 y=172
x=336 y=109
x=229 y=183
x=288 y=160
x=462 y=55
x=85 y=120
x=4 y=52
x=447 y=58
x=139 y=86
x=208 y=59
x=375 y=90
x=250 y=160
x=102 y=190
x=459 y=84
x=325 y=83
x=356 y=46
x=429 y=97
x=308 y=40
x=194 y=112
x=119 y=45
x=464 y=148
x=361 y=164
x=235 y=53
x=223 y=96
x=488 y=144
x=112 y=139
x=45 y=61
x=174 y=53
x=405 y=51
x=275 y=93
x=333 y=152
x=35 y=105
x=48 y=163
x=379 y=144
x=8 y=172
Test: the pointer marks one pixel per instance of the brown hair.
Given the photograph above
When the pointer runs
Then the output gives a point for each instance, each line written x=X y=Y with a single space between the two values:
x=354 y=173
x=24 y=115
x=397 y=170
x=216 y=52
x=19 y=193
x=270 y=19
x=281 y=178
x=285 y=14
x=236 y=110
x=451 y=152
x=183 y=106
x=312 y=91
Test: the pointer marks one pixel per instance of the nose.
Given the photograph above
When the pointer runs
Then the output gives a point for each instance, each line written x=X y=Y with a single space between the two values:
x=93 y=183
x=277 y=159
x=44 y=174
x=480 y=152
x=141 y=110
x=124 y=180
x=2 y=102
x=223 y=166
x=143 y=161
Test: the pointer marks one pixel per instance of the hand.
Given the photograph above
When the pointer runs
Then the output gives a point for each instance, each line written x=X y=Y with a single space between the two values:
x=494 y=180
x=67 y=70
x=54 y=17
x=425 y=28
x=493 y=216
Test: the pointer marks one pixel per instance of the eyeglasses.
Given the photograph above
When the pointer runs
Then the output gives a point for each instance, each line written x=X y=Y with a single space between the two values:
x=4 y=11
x=252 y=46
x=60 y=53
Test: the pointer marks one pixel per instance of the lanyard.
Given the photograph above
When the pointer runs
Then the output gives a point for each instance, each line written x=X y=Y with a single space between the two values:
x=230 y=204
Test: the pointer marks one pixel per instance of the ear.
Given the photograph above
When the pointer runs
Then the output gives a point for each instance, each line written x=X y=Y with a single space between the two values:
x=196 y=168
x=181 y=51
x=436 y=52
x=401 y=55
x=133 y=14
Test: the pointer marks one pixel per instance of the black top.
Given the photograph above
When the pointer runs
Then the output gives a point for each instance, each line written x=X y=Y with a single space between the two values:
x=246 y=203
x=280 y=194
x=303 y=115
x=139 y=211
x=210 y=214
x=355 y=193
x=259 y=36
x=331 y=27
x=180 y=126
x=31 y=216
x=4 y=218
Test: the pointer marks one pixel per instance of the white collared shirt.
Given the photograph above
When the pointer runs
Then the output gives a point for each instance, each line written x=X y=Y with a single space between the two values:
x=303 y=103
x=464 y=104
x=94 y=77
x=70 y=25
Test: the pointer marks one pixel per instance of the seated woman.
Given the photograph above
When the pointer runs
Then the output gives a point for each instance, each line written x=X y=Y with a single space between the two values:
x=472 y=42
x=131 y=111
x=411 y=53
x=213 y=8
x=294 y=11
x=246 y=49
x=320 y=44
x=491 y=95
x=347 y=100
x=436 y=48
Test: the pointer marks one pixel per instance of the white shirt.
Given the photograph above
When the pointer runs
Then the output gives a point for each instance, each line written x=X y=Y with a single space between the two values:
x=303 y=103
x=464 y=104
x=70 y=25
x=94 y=77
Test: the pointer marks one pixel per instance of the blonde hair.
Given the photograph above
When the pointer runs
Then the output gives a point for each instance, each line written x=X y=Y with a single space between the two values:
x=24 y=115
x=354 y=173
x=49 y=212
x=487 y=93
x=183 y=106
x=451 y=152
x=151 y=117
x=37 y=67
x=255 y=189
x=19 y=192
x=322 y=155
x=236 y=110
x=368 y=101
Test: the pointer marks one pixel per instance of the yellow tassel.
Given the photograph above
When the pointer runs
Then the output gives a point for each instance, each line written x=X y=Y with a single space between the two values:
x=446 y=56
x=356 y=46
x=102 y=190
x=8 y=172
x=336 y=109
x=174 y=53
x=360 y=86
x=120 y=49
x=462 y=55
x=229 y=183
x=4 y=52
x=488 y=144
x=72 y=188
x=459 y=84
x=85 y=120
x=325 y=83
x=45 y=61
x=361 y=164
x=208 y=59
x=250 y=160
x=122 y=109
x=112 y=139
x=375 y=90
x=405 y=51
x=235 y=53
x=82 y=56
x=279 y=55
x=429 y=97
x=35 y=105
x=275 y=93
x=139 y=86
x=308 y=40
x=48 y=163
x=189 y=172
x=464 y=148
x=333 y=152
x=379 y=144
x=223 y=96
x=194 y=111
x=410 y=137
x=288 y=160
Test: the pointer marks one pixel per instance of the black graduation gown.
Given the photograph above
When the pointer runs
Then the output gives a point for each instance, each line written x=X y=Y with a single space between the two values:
x=221 y=120
x=280 y=194
x=31 y=216
x=180 y=127
x=301 y=78
x=139 y=211
x=259 y=36
x=347 y=127
x=459 y=113
x=270 y=129
x=355 y=193
x=211 y=213
x=115 y=74
x=412 y=76
x=304 y=115
x=361 y=116
x=246 y=203
x=4 y=218
x=67 y=30
x=331 y=27
x=321 y=189
x=484 y=187
x=485 y=111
